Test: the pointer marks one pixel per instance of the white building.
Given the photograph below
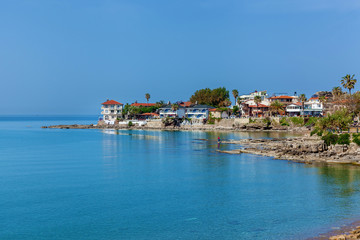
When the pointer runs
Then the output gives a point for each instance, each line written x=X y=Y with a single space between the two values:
x=168 y=111
x=313 y=107
x=294 y=109
x=111 y=110
x=198 y=112
x=252 y=95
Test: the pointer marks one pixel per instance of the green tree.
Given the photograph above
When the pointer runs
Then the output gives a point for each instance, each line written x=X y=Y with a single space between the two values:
x=147 y=96
x=336 y=92
x=276 y=107
x=235 y=110
x=218 y=97
x=174 y=107
x=235 y=94
x=348 y=82
x=303 y=99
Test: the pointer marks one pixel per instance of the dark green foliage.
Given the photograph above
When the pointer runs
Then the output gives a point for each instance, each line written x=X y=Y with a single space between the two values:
x=344 y=139
x=297 y=121
x=130 y=124
x=340 y=120
x=311 y=121
x=218 y=97
x=284 y=122
x=235 y=109
x=356 y=138
x=330 y=138
x=316 y=131
x=267 y=121
x=357 y=141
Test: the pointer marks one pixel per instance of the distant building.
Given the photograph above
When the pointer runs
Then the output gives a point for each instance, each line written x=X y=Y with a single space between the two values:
x=168 y=111
x=313 y=107
x=198 y=111
x=145 y=116
x=286 y=100
x=111 y=110
x=251 y=96
x=218 y=113
x=185 y=104
x=258 y=110
x=294 y=109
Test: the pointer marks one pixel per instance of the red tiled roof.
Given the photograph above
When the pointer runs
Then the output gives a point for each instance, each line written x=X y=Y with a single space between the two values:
x=260 y=105
x=185 y=104
x=111 y=102
x=212 y=110
x=313 y=98
x=143 y=104
x=149 y=114
x=281 y=97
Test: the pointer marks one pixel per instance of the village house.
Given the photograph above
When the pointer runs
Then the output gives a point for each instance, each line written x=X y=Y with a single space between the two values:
x=285 y=100
x=198 y=111
x=252 y=95
x=169 y=111
x=218 y=113
x=294 y=109
x=313 y=107
x=111 y=110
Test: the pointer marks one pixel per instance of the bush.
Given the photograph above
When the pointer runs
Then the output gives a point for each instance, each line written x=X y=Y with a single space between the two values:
x=284 y=122
x=252 y=121
x=130 y=124
x=344 y=139
x=330 y=138
x=267 y=121
x=357 y=141
x=311 y=121
x=297 y=120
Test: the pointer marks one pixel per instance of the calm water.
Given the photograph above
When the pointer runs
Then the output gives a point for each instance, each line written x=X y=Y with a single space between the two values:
x=93 y=184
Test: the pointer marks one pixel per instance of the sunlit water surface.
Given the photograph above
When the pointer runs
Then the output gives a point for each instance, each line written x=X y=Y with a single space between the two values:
x=95 y=184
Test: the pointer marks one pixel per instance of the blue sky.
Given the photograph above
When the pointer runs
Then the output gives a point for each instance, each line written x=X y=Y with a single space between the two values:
x=66 y=57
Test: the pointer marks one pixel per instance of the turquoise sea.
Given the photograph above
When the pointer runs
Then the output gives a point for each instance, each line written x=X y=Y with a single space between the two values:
x=96 y=184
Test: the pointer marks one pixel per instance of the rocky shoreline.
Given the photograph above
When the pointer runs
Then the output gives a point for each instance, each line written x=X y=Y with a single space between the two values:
x=248 y=128
x=298 y=149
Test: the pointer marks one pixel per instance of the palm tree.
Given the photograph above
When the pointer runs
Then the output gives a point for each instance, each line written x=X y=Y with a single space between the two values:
x=235 y=94
x=276 y=107
x=174 y=107
x=336 y=92
x=348 y=82
x=303 y=99
x=322 y=100
x=257 y=100
x=147 y=96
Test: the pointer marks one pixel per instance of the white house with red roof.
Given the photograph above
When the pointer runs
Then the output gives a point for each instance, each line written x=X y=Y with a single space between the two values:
x=313 y=107
x=111 y=110
x=284 y=99
x=294 y=109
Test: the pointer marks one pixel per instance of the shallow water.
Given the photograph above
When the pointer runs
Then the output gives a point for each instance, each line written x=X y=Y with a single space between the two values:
x=104 y=184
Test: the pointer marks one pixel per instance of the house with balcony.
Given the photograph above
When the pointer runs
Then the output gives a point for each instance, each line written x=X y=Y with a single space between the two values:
x=198 y=111
x=111 y=110
x=251 y=96
x=169 y=111
x=285 y=100
x=294 y=109
x=313 y=107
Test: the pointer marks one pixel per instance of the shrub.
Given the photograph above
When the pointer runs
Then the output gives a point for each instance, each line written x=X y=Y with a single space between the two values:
x=330 y=138
x=267 y=121
x=252 y=121
x=297 y=120
x=314 y=131
x=311 y=121
x=357 y=141
x=284 y=122
x=130 y=124
x=344 y=139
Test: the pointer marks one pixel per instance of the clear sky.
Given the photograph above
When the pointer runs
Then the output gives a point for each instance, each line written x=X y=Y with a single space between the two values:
x=66 y=57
